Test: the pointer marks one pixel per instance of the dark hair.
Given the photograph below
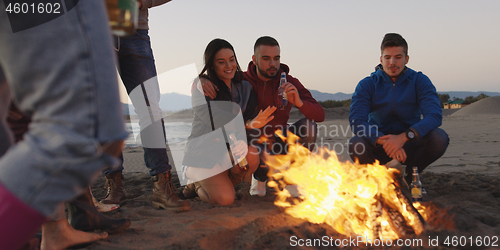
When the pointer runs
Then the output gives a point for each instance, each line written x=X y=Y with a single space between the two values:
x=265 y=40
x=212 y=48
x=394 y=40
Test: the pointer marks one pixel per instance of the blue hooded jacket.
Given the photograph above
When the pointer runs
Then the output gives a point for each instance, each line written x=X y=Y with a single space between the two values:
x=380 y=106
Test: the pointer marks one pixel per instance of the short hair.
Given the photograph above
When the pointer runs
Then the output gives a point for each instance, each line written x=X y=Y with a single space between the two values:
x=265 y=40
x=394 y=40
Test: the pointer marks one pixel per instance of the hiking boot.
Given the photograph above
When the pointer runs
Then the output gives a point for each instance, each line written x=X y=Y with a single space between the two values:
x=83 y=216
x=116 y=191
x=258 y=187
x=165 y=196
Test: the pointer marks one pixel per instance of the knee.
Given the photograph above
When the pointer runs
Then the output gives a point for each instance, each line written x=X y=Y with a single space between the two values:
x=439 y=139
x=357 y=146
x=307 y=131
x=222 y=199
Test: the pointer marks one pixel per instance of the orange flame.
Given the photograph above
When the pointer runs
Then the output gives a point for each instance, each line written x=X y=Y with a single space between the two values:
x=347 y=196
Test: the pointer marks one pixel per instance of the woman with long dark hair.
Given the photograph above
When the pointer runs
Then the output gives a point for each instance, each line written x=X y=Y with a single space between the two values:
x=220 y=139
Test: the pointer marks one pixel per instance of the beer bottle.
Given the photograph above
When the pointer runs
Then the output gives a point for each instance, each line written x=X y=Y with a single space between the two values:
x=416 y=186
x=123 y=16
x=242 y=161
x=282 y=93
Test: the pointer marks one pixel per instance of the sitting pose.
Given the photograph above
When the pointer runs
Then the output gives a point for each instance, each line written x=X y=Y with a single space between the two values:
x=209 y=161
x=396 y=113
x=264 y=73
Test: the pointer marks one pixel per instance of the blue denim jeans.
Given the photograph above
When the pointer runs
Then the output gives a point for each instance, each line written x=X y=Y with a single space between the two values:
x=62 y=73
x=307 y=132
x=420 y=152
x=138 y=73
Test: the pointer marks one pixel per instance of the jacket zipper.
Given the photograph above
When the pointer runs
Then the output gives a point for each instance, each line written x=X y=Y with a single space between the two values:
x=264 y=91
x=393 y=111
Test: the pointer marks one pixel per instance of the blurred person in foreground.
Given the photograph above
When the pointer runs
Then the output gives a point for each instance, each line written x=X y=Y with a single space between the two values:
x=83 y=216
x=61 y=73
x=396 y=113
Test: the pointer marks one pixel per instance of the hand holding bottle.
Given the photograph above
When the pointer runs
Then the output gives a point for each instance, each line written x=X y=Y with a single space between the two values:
x=240 y=150
x=290 y=91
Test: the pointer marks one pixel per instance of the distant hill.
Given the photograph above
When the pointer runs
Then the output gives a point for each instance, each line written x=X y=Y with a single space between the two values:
x=173 y=102
x=464 y=94
x=320 y=96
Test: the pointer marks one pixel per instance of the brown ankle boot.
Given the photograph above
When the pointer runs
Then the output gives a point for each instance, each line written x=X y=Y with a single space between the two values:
x=165 y=196
x=116 y=191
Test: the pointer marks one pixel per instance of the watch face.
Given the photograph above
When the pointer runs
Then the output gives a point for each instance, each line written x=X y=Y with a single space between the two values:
x=411 y=135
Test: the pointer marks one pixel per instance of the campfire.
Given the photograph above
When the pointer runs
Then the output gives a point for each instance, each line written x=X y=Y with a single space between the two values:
x=360 y=200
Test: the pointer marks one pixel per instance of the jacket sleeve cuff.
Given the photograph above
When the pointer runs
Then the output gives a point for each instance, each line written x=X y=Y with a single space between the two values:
x=417 y=134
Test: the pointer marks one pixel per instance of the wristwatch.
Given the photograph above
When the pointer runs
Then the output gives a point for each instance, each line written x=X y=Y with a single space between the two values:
x=410 y=135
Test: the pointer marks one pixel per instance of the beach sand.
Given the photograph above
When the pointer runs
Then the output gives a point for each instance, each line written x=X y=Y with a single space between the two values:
x=465 y=181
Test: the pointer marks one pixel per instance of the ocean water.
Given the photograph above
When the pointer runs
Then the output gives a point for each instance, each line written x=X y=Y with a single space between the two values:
x=177 y=133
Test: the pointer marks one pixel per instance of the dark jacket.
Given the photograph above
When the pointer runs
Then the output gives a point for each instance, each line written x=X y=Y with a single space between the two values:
x=380 y=106
x=267 y=95
x=215 y=119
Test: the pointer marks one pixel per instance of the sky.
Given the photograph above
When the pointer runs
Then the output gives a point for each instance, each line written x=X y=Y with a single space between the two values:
x=331 y=45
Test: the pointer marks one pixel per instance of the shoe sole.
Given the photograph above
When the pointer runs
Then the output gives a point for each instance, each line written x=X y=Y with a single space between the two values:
x=258 y=194
x=159 y=205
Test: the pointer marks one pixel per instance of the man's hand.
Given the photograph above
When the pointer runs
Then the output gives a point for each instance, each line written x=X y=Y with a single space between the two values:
x=262 y=118
x=292 y=94
x=393 y=144
x=400 y=155
x=209 y=89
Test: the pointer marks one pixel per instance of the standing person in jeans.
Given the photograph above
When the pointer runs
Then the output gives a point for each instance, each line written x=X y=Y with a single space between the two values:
x=62 y=73
x=138 y=73
x=395 y=113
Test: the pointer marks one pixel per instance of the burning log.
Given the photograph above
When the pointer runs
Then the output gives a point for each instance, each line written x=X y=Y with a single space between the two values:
x=417 y=221
x=375 y=224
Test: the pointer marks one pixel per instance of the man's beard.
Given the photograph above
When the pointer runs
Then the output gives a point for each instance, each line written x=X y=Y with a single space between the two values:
x=266 y=75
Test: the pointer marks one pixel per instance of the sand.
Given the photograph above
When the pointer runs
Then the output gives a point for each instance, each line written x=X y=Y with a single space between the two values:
x=465 y=181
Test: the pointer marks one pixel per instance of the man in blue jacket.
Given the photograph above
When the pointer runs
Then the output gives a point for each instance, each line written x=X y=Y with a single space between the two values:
x=396 y=112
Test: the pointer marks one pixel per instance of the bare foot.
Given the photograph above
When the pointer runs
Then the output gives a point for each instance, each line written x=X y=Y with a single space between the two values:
x=59 y=234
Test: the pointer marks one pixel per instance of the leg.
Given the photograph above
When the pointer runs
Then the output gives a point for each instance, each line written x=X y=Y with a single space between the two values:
x=253 y=158
x=5 y=134
x=426 y=150
x=138 y=72
x=361 y=150
x=83 y=215
x=217 y=190
x=60 y=235
x=307 y=131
